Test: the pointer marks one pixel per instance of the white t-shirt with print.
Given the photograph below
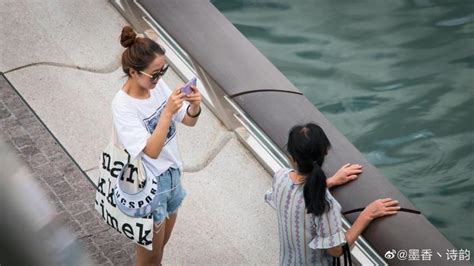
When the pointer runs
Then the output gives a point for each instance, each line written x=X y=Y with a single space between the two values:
x=136 y=119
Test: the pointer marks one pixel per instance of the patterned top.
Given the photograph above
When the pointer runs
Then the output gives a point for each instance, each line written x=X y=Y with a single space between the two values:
x=303 y=237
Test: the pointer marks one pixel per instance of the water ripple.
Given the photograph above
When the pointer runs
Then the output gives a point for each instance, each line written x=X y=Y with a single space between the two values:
x=456 y=21
x=395 y=77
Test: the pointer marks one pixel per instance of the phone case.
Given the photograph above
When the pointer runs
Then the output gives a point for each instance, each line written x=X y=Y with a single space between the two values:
x=186 y=89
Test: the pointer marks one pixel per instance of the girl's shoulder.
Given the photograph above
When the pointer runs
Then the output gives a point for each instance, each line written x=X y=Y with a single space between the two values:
x=121 y=101
x=281 y=173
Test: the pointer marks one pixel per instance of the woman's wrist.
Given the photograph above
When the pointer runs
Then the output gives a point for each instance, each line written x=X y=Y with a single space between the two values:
x=365 y=217
x=330 y=182
x=193 y=111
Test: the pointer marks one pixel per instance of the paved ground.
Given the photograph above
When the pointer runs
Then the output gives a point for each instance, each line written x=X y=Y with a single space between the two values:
x=62 y=57
x=66 y=186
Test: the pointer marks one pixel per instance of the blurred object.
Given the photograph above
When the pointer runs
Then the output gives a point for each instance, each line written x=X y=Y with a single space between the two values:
x=152 y=35
x=31 y=233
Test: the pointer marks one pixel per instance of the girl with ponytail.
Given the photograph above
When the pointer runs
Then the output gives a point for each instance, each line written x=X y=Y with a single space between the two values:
x=309 y=217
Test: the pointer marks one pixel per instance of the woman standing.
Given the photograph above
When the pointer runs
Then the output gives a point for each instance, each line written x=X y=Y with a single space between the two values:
x=309 y=218
x=145 y=113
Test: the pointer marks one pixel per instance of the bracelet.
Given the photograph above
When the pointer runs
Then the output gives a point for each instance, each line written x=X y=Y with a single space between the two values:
x=193 y=116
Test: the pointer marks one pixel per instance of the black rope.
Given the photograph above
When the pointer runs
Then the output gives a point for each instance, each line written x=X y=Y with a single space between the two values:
x=347 y=254
x=401 y=210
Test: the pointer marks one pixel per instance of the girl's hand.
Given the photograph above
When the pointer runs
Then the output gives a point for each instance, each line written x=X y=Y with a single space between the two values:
x=194 y=98
x=346 y=173
x=381 y=207
x=175 y=101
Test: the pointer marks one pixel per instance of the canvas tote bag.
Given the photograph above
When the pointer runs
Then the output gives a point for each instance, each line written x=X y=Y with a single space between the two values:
x=125 y=197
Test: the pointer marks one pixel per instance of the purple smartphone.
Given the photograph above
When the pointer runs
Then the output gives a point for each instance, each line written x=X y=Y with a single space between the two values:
x=186 y=89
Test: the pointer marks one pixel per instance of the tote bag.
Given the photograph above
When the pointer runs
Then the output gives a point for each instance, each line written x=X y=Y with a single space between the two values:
x=125 y=196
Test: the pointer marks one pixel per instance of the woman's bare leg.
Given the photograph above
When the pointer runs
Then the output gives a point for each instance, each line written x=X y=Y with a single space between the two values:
x=146 y=257
x=169 y=227
x=161 y=236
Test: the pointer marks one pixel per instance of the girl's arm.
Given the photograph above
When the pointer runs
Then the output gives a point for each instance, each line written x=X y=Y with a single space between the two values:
x=194 y=110
x=156 y=141
x=376 y=209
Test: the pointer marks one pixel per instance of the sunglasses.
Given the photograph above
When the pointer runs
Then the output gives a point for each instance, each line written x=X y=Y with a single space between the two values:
x=156 y=76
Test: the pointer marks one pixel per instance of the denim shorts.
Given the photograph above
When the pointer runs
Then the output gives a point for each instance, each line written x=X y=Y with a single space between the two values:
x=170 y=192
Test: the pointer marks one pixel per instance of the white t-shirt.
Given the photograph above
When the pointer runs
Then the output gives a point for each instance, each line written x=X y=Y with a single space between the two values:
x=136 y=119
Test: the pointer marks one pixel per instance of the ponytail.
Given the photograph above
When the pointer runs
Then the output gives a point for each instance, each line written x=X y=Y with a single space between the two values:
x=314 y=191
x=308 y=145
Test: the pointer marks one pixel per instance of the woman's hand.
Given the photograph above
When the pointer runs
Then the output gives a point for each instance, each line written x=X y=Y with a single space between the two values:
x=346 y=173
x=376 y=209
x=194 y=98
x=381 y=207
x=175 y=101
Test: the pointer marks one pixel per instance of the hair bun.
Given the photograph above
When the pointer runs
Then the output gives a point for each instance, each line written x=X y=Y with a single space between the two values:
x=128 y=36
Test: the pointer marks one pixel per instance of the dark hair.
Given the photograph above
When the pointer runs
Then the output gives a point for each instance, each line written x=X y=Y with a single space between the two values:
x=308 y=145
x=140 y=51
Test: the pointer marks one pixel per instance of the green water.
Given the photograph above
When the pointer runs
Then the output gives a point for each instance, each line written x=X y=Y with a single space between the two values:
x=395 y=77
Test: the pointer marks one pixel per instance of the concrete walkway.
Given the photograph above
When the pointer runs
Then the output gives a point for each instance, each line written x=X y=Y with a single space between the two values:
x=63 y=59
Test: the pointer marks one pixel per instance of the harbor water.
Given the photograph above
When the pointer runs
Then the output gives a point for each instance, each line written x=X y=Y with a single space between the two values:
x=395 y=77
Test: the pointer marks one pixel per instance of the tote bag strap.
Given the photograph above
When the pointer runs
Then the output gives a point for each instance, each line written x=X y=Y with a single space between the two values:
x=139 y=164
x=114 y=137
